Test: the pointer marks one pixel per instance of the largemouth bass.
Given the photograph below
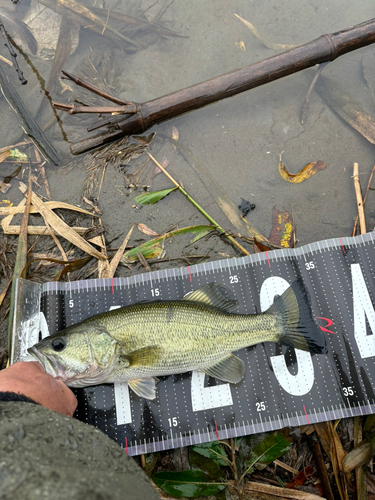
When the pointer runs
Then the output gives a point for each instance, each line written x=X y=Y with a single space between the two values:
x=142 y=341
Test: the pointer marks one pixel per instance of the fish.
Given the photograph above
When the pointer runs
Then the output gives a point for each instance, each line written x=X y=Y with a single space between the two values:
x=140 y=342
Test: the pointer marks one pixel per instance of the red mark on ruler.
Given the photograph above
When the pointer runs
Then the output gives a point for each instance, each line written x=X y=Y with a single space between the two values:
x=189 y=273
x=126 y=445
x=342 y=246
x=113 y=291
x=217 y=432
x=307 y=418
x=329 y=323
x=269 y=264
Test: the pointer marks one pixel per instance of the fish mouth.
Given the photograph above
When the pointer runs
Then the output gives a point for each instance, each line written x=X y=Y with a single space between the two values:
x=49 y=363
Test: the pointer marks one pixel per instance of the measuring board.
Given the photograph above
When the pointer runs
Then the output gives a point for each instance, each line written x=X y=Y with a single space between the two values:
x=282 y=386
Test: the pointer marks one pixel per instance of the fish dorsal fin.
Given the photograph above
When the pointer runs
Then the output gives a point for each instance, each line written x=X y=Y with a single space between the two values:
x=214 y=294
x=147 y=356
x=144 y=387
x=230 y=369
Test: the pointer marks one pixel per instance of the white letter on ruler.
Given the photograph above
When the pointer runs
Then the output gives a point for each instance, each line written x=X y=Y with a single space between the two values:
x=296 y=385
x=362 y=308
x=122 y=398
x=205 y=398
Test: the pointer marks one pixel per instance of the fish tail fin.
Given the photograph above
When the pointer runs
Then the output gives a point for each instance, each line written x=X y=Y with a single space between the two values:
x=298 y=328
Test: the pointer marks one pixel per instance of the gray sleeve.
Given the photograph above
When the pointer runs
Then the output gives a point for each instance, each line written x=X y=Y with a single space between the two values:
x=46 y=455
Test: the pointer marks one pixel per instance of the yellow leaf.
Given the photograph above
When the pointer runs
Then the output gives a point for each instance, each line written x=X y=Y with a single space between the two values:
x=309 y=170
x=240 y=45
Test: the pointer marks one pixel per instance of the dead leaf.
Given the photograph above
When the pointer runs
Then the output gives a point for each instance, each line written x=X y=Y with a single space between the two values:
x=92 y=232
x=269 y=45
x=175 y=134
x=260 y=247
x=300 y=478
x=4 y=155
x=370 y=485
x=4 y=188
x=10 y=210
x=283 y=230
x=110 y=271
x=240 y=45
x=4 y=292
x=93 y=205
x=146 y=230
x=332 y=446
x=310 y=169
x=143 y=261
x=61 y=227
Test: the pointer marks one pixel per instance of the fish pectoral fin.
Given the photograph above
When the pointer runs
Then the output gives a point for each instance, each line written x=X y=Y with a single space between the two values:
x=147 y=356
x=214 y=294
x=230 y=369
x=144 y=387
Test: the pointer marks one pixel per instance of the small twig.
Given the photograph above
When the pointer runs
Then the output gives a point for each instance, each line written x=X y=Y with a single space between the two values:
x=45 y=181
x=4 y=59
x=312 y=85
x=72 y=109
x=321 y=467
x=58 y=244
x=219 y=228
x=359 y=473
x=237 y=481
x=13 y=54
x=358 y=194
x=364 y=200
x=143 y=261
x=286 y=467
x=91 y=88
x=104 y=27
x=101 y=182
x=251 y=487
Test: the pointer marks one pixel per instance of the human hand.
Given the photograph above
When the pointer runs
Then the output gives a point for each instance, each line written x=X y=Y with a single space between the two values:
x=30 y=379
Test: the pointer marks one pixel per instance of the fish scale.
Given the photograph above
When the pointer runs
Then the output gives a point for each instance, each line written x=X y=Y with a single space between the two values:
x=203 y=333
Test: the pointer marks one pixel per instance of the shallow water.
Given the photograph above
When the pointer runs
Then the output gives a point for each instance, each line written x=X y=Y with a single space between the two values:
x=238 y=140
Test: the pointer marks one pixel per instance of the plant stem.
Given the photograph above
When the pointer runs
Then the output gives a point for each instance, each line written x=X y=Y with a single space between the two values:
x=210 y=219
x=237 y=482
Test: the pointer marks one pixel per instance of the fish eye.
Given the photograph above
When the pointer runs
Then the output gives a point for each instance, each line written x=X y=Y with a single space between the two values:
x=58 y=344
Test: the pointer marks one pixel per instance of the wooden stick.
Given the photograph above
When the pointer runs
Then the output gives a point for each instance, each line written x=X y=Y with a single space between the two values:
x=320 y=466
x=358 y=194
x=324 y=48
x=364 y=200
x=258 y=488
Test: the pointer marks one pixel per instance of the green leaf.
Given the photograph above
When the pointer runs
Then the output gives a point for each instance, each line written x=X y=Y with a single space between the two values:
x=213 y=450
x=187 y=483
x=16 y=153
x=153 y=248
x=202 y=234
x=199 y=462
x=153 y=197
x=271 y=448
